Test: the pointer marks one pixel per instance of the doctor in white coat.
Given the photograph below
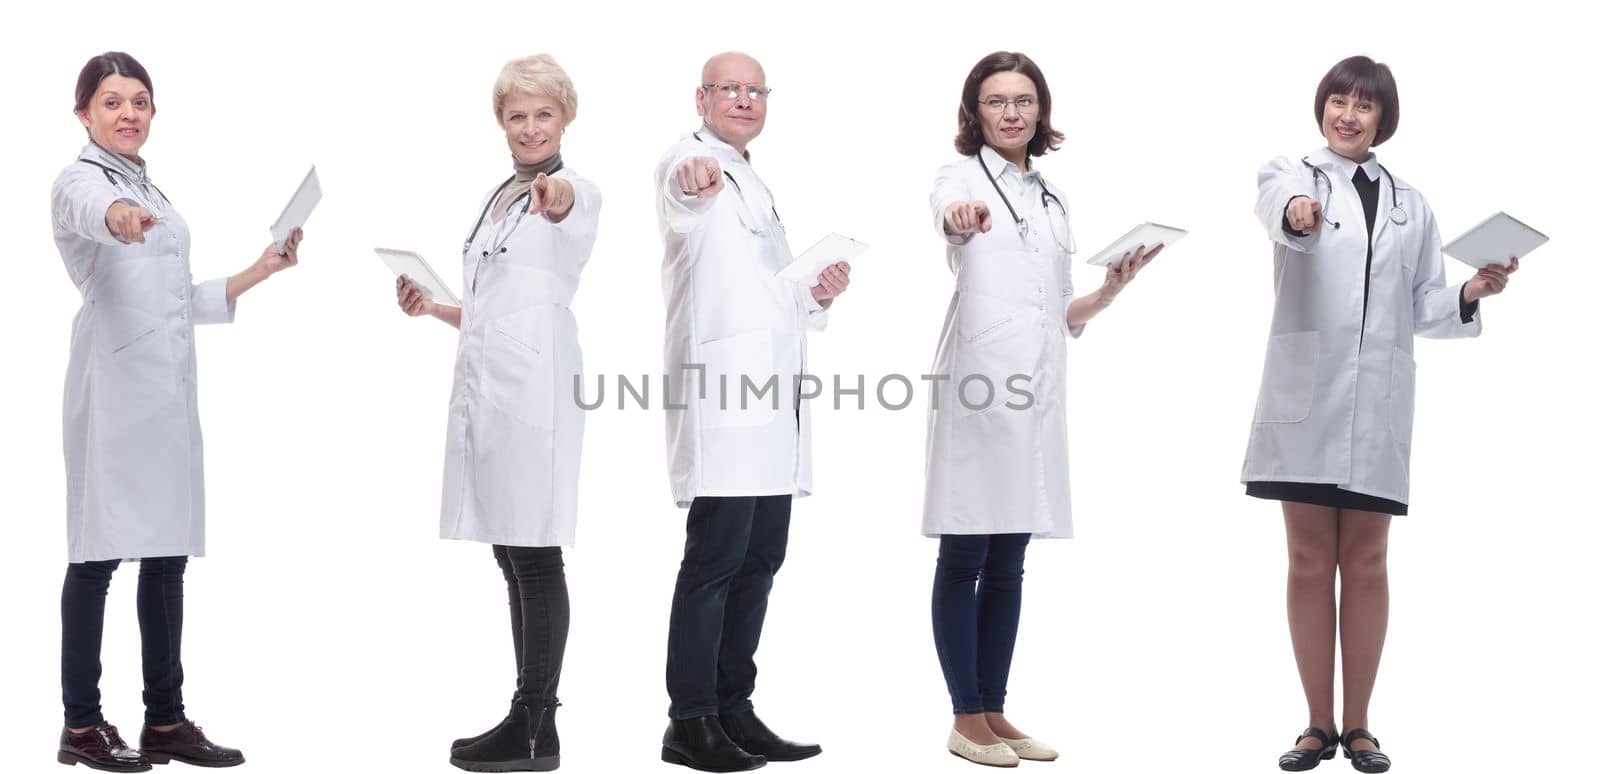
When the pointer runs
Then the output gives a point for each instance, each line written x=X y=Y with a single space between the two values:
x=515 y=432
x=738 y=440
x=135 y=485
x=997 y=432
x=1358 y=273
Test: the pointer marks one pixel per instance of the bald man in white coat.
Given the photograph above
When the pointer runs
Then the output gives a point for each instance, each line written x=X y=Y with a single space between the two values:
x=738 y=440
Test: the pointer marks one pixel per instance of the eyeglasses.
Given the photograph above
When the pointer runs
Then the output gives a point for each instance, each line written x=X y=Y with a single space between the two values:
x=755 y=92
x=998 y=105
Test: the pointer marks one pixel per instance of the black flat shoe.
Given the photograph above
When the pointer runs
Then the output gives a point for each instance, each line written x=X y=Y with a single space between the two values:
x=701 y=744
x=753 y=736
x=1305 y=758
x=1366 y=761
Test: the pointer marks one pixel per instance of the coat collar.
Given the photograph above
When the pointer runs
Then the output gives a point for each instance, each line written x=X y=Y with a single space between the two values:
x=1334 y=164
x=135 y=171
x=998 y=164
x=722 y=148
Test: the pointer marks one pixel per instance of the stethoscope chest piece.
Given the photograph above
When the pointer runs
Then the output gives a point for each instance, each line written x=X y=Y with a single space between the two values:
x=1397 y=216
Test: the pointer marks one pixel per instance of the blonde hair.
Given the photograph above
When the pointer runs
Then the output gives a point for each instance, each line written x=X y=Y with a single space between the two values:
x=537 y=75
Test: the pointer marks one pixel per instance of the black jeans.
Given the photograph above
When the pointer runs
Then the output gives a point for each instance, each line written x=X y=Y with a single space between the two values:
x=536 y=585
x=83 y=615
x=734 y=547
x=977 y=603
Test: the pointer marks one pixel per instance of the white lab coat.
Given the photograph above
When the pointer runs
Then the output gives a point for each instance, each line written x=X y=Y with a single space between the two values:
x=131 y=430
x=515 y=432
x=728 y=312
x=1336 y=402
x=994 y=468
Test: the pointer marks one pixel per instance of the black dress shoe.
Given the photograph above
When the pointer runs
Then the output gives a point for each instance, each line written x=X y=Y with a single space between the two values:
x=1305 y=758
x=525 y=741
x=100 y=748
x=753 y=736
x=1368 y=761
x=700 y=743
x=186 y=744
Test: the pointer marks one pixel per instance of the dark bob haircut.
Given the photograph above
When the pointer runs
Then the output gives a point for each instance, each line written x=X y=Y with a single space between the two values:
x=108 y=64
x=1366 y=79
x=969 y=132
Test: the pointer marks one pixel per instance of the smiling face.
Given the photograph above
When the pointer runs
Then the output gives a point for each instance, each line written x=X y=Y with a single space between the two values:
x=1009 y=128
x=1350 y=124
x=118 y=117
x=740 y=119
x=533 y=125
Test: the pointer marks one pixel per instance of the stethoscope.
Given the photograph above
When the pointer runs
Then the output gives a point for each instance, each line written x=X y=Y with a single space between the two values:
x=1397 y=215
x=754 y=229
x=140 y=189
x=1045 y=197
x=507 y=227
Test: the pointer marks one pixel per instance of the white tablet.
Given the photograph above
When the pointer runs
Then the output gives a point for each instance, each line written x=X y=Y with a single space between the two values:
x=408 y=264
x=828 y=251
x=298 y=209
x=1147 y=234
x=1495 y=241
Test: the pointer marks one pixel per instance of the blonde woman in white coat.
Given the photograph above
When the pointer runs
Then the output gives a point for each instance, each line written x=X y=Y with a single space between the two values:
x=516 y=430
x=1358 y=273
x=997 y=444
x=135 y=485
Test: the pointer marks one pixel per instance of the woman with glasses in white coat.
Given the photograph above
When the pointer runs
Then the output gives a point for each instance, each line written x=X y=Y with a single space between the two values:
x=515 y=429
x=135 y=484
x=997 y=433
x=1358 y=273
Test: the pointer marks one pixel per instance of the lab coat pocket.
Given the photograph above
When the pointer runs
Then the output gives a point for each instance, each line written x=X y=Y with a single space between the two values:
x=1402 y=399
x=729 y=361
x=517 y=374
x=136 y=375
x=994 y=347
x=982 y=317
x=1288 y=385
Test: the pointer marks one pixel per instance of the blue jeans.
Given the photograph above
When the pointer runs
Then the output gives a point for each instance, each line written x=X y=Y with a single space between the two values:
x=977 y=601
x=734 y=547
x=159 y=601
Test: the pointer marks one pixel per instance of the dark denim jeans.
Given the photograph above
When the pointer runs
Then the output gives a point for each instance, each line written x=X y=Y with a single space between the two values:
x=977 y=601
x=734 y=547
x=83 y=614
x=536 y=587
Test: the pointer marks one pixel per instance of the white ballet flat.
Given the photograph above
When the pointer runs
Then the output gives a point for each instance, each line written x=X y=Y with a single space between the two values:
x=1030 y=749
x=998 y=754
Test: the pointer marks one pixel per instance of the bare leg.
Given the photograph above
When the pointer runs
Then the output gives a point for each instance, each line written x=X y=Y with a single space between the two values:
x=1363 y=609
x=975 y=728
x=1313 y=538
x=1002 y=727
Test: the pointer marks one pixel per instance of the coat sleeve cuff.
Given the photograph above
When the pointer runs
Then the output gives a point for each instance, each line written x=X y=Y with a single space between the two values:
x=1468 y=310
x=208 y=302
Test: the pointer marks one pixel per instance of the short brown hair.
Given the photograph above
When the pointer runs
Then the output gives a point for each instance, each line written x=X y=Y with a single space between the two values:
x=969 y=133
x=110 y=63
x=1366 y=79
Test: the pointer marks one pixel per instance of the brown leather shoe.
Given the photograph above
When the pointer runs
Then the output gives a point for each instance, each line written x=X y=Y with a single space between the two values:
x=186 y=744
x=100 y=748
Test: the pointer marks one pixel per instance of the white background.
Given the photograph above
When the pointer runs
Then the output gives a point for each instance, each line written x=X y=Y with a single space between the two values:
x=329 y=627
